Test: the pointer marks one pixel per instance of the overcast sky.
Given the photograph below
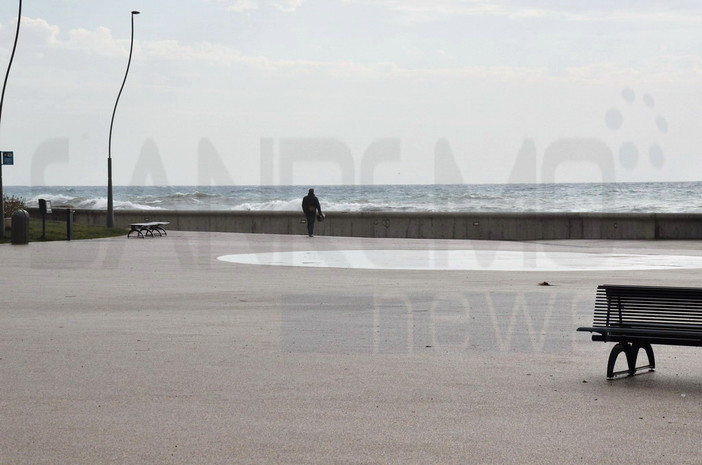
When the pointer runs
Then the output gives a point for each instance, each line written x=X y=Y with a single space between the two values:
x=353 y=91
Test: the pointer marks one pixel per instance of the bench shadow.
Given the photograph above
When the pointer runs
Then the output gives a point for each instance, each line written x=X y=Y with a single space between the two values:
x=659 y=380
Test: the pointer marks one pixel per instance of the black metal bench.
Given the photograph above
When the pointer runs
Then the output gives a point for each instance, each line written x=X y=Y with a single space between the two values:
x=636 y=317
x=148 y=229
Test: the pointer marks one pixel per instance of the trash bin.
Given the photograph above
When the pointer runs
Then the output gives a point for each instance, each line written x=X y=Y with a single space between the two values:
x=20 y=227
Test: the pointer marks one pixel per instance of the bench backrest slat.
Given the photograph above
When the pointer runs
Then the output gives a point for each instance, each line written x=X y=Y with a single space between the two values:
x=677 y=308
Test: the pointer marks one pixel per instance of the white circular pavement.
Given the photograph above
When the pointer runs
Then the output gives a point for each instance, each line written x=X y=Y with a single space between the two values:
x=497 y=260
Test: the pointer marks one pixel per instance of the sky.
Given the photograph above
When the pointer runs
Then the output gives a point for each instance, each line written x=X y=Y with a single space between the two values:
x=320 y=92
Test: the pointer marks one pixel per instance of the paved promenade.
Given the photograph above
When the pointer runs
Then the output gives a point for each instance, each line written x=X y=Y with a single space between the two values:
x=154 y=351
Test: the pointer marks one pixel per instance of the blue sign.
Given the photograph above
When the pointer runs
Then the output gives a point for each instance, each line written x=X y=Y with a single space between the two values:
x=8 y=158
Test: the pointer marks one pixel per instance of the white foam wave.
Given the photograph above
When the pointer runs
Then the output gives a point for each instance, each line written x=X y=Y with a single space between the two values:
x=56 y=199
x=273 y=205
x=97 y=203
x=295 y=205
x=134 y=206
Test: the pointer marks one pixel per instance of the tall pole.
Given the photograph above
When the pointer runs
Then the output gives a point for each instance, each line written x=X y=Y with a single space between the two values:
x=2 y=100
x=110 y=210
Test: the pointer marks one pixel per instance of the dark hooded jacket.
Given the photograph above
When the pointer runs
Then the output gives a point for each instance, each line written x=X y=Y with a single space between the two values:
x=310 y=204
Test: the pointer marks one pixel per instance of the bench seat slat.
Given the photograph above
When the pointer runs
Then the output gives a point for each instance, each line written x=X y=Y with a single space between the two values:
x=653 y=304
x=680 y=306
x=652 y=320
x=656 y=306
x=672 y=332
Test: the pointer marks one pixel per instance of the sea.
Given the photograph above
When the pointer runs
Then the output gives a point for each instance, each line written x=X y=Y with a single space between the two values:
x=649 y=197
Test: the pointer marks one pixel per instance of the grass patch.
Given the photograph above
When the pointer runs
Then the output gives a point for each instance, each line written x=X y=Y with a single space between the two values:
x=56 y=231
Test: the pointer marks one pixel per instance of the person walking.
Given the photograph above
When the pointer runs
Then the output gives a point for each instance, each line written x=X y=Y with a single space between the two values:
x=310 y=207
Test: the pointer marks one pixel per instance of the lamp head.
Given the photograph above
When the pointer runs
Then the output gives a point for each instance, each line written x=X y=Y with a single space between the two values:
x=135 y=12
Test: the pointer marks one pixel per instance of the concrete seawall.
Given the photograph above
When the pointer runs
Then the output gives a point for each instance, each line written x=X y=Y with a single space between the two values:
x=487 y=226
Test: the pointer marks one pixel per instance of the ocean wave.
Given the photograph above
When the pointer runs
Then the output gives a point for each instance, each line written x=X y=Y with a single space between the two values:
x=642 y=197
x=101 y=204
x=96 y=203
x=192 y=195
x=274 y=205
x=295 y=205
x=55 y=199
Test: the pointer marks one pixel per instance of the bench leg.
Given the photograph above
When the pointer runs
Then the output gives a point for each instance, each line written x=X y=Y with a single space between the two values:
x=631 y=351
x=649 y=352
x=616 y=350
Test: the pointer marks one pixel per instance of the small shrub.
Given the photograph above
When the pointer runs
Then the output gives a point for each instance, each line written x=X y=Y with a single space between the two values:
x=11 y=204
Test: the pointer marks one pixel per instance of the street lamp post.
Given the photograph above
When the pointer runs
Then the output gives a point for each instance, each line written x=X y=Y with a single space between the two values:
x=110 y=210
x=2 y=100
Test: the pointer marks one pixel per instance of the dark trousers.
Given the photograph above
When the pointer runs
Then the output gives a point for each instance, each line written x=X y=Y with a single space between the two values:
x=310 y=224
